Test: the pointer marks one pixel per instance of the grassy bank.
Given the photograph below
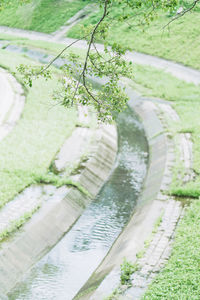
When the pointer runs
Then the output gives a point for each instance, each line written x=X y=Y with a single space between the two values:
x=180 y=279
x=185 y=99
x=26 y=153
x=43 y=46
x=180 y=42
x=43 y=15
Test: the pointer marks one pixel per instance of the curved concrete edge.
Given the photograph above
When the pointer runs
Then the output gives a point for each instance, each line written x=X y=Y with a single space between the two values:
x=72 y=149
x=148 y=210
x=54 y=219
x=15 y=100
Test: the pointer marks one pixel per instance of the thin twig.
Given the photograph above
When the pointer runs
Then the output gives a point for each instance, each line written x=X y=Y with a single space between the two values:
x=61 y=52
x=182 y=13
x=89 y=48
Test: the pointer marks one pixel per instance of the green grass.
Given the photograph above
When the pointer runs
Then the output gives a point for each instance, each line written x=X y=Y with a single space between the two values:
x=126 y=270
x=17 y=224
x=42 y=46
x=26 y=153
x=180 y=279
x=40 y=15
x=181 y=43
x=185 y=99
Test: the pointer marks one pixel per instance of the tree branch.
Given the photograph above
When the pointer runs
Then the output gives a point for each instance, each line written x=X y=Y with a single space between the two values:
x=181 y=14
x=91 y=41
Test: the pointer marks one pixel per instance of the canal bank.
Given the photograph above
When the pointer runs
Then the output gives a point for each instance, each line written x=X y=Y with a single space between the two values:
x=134 y=168
x=55 y=218
x=73 y=207
x=146 y=109
x=62 y=272
x=138 y=243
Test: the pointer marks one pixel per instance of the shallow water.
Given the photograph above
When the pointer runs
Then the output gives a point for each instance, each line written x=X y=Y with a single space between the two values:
x=64 y=270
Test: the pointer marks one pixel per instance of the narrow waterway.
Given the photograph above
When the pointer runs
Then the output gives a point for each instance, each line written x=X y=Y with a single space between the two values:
x=63 y=271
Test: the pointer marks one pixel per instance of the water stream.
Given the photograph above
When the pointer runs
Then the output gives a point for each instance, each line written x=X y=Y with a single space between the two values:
x=63 y=271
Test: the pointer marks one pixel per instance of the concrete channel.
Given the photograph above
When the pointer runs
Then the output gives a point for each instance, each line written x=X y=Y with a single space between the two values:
x=149 y=207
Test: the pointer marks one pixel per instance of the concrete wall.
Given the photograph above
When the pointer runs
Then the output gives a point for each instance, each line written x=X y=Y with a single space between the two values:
x=54 y=219
x=148 y=208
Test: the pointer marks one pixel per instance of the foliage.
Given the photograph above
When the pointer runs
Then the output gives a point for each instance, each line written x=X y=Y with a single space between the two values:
x=111 y=99
x=75 y=88
x=115 y=294
x=179 y=42
x=127 y=269
x=30 y=72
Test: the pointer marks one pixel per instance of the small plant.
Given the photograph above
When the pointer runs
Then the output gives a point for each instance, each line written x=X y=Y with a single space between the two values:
x=127 y=269
x=17 y=224
x=157 y=223
x=140 y=254
x=114 y=295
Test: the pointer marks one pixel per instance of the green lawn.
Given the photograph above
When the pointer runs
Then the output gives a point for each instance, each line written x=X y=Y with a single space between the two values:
x=42 y=46
x=180 y=43
x=180 y=279
x=40 y=15
x=185 y=98
x=26 y=153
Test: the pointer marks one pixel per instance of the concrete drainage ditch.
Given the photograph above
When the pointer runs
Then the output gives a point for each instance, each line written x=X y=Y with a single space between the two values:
x=56 y=216
x=151 y=204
